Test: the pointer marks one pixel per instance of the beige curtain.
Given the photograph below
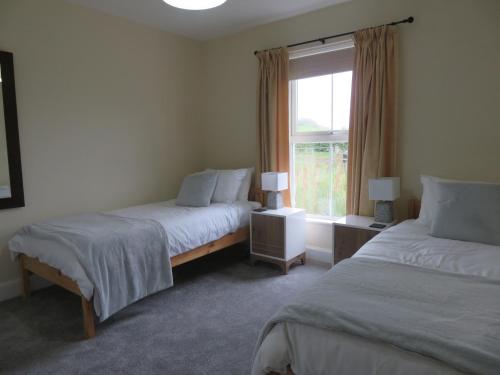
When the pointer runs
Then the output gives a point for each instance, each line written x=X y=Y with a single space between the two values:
x=373 y=124
x=273 y=142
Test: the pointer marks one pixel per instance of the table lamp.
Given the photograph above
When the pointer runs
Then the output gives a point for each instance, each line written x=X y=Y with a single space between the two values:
x=274 y=183
x=385 y=191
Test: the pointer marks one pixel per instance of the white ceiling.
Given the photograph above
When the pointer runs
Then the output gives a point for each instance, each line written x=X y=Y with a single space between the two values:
x=232 y=17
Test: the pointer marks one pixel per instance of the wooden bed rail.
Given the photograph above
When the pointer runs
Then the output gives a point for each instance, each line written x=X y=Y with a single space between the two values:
x=29 y=266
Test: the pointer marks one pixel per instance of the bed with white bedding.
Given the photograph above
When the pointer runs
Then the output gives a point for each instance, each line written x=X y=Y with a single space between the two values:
x=98 y=251
x=463 y=340
x=186 y=228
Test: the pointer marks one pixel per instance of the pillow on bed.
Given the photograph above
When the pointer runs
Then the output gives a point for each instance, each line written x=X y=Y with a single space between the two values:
x=229 y=183
x=197 y=189
x=429 y=199
x=245 y=185
x=468 y=211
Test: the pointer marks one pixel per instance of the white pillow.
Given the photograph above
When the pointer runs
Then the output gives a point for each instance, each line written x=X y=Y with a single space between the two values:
x=228 y=185
x=197 y=189
x=429 y=199
x=431 y=196
x=468 y=211
x=245 y=185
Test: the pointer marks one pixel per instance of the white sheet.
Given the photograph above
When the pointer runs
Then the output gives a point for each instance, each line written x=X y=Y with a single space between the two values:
x=318 y=352
x=186 y=228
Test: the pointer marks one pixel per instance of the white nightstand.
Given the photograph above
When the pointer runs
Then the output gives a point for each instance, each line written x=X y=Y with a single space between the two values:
x=278 y=236
x=350 y=233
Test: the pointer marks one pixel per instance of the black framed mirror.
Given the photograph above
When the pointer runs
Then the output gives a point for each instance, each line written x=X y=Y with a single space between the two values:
x=11 y=176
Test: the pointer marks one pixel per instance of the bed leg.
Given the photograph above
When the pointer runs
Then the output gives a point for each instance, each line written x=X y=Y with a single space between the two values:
x=88 y=319
x=285 y=267
x=25 y=279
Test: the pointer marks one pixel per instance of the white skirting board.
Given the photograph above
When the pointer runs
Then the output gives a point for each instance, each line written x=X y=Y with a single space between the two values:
x=319 y=254
x=12 y=288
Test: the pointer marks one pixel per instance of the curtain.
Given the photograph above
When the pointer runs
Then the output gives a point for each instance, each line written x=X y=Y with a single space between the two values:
x=373 y=122
x=274 y=154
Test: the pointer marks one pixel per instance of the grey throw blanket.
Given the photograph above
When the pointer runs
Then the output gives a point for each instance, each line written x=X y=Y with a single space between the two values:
x=450 y=317
x=126 y=259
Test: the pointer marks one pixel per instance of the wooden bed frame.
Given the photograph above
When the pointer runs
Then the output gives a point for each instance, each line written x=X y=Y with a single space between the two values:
x=29 y=266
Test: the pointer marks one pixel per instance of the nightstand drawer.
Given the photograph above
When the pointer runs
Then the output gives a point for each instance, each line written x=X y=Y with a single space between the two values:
x=268 y=231
x=347 y=241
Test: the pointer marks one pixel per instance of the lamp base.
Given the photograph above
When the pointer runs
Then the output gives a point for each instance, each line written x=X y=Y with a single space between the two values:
x=384 y=211
x=274 y=200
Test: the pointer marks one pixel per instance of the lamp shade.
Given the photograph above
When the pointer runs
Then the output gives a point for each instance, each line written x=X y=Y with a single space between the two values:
x=274 y=181
x=384 y=189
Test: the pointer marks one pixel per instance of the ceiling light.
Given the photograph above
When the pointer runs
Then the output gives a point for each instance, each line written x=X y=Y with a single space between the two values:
x=195 y=4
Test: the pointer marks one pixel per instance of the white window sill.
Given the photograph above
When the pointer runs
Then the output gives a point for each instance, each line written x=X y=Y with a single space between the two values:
x=326 y=220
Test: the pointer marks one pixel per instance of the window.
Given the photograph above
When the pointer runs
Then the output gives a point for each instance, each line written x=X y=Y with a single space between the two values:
x=319 y=131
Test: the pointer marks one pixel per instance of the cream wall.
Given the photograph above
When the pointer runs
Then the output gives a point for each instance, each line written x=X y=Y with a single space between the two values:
x=450 y=84
x=105 y=111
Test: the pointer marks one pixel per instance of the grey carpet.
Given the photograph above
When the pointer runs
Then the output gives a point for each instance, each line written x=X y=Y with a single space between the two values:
x=207 y=323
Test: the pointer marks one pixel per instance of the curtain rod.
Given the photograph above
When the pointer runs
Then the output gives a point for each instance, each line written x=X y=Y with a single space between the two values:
x=324 y=39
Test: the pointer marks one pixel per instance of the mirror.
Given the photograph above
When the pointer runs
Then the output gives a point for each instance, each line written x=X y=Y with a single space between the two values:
x=11 y=182
x=4 y=161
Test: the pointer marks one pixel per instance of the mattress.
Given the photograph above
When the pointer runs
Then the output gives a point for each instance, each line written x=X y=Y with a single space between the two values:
x=317 y=351
x=186 y=228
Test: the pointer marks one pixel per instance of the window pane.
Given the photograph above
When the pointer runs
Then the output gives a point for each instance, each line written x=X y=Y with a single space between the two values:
x=314 y=104
x=320 y=172
x=341 y=100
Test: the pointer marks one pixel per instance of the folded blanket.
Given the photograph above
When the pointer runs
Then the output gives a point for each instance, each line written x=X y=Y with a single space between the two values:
x=450 y=317
x=126 y=259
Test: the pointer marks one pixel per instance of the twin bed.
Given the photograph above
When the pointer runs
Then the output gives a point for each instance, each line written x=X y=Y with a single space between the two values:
x=113 y=259
x=406 y=303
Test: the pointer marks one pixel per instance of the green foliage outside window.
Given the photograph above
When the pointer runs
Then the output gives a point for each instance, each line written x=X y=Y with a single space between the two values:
x=321 y=178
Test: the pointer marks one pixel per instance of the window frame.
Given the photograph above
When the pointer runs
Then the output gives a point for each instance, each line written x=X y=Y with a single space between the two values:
x=332 y=136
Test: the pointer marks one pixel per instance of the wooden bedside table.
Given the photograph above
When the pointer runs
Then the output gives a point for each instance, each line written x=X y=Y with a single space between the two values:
x=350 y=233
x=278 y=236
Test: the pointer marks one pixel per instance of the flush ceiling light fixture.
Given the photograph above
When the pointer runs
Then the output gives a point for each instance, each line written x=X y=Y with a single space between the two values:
x=195 y=4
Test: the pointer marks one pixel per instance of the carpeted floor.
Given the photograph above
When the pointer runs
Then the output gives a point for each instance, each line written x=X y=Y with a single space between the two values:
x=207 y=323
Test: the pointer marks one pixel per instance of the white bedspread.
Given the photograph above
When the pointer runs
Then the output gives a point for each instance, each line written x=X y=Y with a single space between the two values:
x=410 y=243
x=317 y=351
x=185 y=227
x=126 y=259
x=190 y=227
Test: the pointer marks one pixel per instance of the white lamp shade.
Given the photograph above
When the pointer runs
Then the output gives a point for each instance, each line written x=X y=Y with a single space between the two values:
x=384 y=189
x=274 y=181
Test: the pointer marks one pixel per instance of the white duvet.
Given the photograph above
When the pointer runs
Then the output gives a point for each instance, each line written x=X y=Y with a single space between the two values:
x=316 y=351
x=186 y=228
x=410 y=243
